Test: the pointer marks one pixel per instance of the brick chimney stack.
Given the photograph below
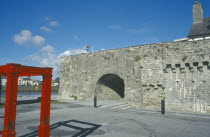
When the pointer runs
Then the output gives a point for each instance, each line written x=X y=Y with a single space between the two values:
x=197 y=12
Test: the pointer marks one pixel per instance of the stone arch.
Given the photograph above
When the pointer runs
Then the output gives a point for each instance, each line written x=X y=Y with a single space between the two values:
x=110 y=86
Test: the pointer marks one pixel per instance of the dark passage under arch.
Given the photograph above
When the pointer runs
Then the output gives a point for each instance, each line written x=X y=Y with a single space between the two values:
x=114 y=82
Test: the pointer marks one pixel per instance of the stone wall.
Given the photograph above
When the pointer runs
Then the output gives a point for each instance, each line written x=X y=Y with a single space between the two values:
x=181 y=70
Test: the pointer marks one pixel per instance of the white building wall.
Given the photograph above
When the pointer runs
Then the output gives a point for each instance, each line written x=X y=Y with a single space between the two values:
x=3 y=82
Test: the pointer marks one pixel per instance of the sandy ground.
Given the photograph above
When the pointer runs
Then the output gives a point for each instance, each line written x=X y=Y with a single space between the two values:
x=110 y=119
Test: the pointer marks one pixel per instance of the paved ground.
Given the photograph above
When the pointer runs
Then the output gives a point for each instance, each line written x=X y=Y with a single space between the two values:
x=112 y=119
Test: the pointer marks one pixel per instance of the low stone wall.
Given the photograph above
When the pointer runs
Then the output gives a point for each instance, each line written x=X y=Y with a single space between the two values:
x=26 y=89
x=30 y=88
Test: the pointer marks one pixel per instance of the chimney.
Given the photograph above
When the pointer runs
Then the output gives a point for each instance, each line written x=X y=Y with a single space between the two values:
x=197 y=12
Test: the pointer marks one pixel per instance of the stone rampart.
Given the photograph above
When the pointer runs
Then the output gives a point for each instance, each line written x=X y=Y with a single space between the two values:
x=142 y=73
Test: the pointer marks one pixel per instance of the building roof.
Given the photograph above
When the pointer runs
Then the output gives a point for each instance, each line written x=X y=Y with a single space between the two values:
x=201 y=28
x=26 y=79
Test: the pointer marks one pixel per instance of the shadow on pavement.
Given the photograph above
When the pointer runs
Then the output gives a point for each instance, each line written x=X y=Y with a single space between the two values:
x=98 y=106
x=83 y=132
x=31 y=101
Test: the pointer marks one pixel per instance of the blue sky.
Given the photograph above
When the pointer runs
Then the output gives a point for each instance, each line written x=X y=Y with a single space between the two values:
x=38 y=32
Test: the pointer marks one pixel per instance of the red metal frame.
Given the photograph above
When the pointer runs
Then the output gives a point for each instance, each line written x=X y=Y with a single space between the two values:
x=13 y=71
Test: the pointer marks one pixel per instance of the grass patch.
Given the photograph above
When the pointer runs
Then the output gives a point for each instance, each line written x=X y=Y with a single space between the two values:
x=128 y=50
x=74 y=97
x=137 y=58
x=106 y=58
x=184 y=58
x=145 y=56
x=176 y=49
x=58 y=102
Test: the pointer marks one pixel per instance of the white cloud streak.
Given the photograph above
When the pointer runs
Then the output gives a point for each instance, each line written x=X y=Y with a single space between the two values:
x=115 y=27
x=38 y=40
x=47 y=57
x=72 y=52
x=48 y=48
x=45 y=29
x=46 y=19
x=130 y=30
x=138 y=31
x=26 y=38
x=53 y=23
x=77 y=38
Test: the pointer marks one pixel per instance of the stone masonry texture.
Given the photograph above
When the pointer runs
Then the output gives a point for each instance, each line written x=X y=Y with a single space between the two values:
x=140 y=75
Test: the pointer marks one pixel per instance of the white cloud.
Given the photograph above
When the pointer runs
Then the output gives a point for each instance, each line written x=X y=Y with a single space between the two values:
x=38 y=40
x=26 y=38
x=115 y=27
x=23 y=37
x=46 y=58
x=48 y=48
x=72 y=52
x=77 y=38
x=53 y=23
x=45 y=29
x=138 y=31
x=46 y=19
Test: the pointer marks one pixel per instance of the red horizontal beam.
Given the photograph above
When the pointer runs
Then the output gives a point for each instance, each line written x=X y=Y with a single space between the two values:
x=24 y=70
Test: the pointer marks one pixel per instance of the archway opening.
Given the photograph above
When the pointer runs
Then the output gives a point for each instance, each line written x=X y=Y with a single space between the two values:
x=110 y=86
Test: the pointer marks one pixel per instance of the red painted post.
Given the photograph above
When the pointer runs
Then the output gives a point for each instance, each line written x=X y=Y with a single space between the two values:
x=13 y=71
x=10 y=105
x=44 y=127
